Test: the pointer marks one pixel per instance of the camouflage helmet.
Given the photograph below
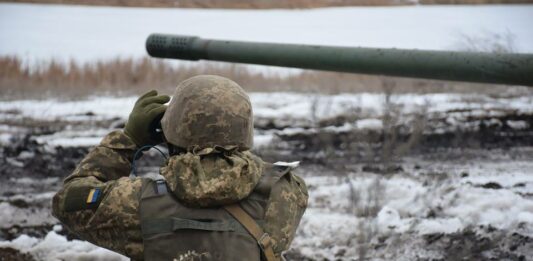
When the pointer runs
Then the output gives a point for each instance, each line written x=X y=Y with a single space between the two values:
x=208 y=111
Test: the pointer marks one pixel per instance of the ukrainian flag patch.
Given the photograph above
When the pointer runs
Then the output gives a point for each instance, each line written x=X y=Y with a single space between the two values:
x=93 y=195
x=83 y=197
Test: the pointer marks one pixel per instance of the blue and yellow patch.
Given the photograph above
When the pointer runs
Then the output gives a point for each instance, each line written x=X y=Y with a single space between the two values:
x=83 y=197
x=93 y=195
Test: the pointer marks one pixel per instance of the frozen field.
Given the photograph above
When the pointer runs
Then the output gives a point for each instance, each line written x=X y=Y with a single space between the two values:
x=276 y=114
x=41 y=32
x=454 y=200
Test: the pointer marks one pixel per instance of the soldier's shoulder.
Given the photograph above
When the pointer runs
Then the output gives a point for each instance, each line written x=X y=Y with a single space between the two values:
x=286 y=205
x=283 y=169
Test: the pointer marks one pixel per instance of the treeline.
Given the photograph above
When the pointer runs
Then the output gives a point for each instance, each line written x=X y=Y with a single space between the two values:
x=74 y=80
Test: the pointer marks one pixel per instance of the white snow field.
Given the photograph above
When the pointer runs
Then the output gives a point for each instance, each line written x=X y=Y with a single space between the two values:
x=40 y=32
x=290 y=113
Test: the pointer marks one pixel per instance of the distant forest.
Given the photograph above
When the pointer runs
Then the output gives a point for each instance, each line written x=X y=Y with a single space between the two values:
x=263 y=4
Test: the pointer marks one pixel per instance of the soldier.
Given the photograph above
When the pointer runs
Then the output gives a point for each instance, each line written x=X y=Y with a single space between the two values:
x=218 y=201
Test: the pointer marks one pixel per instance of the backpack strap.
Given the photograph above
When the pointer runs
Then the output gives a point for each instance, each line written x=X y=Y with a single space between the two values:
x=262 y=238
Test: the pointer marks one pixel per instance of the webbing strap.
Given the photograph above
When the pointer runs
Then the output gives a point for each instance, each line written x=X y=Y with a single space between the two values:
x=168 y=225
x=262 y=238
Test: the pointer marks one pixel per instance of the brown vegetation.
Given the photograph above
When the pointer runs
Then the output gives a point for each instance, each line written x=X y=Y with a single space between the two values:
x=260 y=4
x=133 y=76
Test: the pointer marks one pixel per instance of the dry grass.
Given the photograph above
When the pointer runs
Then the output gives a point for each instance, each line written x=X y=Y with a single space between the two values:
x=133 y=76
x=260 y=4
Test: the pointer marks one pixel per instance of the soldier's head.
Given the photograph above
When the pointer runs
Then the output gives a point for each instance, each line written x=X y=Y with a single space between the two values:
x=209 y=111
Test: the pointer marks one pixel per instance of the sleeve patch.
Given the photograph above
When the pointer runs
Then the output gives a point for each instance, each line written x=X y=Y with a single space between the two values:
x=82 y=198
x=93 y=195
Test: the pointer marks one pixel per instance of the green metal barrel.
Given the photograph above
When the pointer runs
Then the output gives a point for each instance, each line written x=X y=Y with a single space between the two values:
x=514 y=69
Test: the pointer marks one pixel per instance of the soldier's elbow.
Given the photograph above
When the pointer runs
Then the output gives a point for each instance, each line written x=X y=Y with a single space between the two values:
x=57 y=205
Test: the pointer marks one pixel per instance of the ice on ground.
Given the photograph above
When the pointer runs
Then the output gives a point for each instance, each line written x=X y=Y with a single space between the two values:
x=36 y=31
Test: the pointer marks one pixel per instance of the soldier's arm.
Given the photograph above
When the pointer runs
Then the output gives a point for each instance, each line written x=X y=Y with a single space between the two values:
x=288 y=201
x=98 y=201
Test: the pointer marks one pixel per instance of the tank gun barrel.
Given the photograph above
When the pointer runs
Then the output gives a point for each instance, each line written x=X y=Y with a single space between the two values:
x=497 y=68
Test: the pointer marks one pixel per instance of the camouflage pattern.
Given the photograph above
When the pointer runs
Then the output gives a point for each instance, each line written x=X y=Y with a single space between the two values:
x=208 y=111
x=286 y=206
x=212 y=176
x=114 y=224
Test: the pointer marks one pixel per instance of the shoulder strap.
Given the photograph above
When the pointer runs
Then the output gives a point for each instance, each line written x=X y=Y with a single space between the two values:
x=262 y=238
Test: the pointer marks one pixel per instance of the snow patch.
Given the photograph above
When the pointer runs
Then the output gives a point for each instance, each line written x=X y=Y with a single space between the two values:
x=55 y=247
x=519 y=125
x=291 y=165
x=370 y=124
x=263 y=140
x=439 y=225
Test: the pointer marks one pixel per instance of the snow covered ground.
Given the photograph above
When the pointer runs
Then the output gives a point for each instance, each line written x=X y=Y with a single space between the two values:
x=57 y=247
x=285 y=113
x=434 y=198
x=446 y=204
x=40 y=32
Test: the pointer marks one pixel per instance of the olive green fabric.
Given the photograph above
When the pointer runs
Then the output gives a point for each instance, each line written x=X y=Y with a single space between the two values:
x=142 y=121
x=77 y=198
x=214 y=241
x=171 y=230
x=208 y=111
x=173 y=224
x=212 y=176
x=253 y=228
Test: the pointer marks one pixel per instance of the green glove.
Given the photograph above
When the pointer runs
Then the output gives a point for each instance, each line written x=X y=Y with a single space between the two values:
x=144 y=118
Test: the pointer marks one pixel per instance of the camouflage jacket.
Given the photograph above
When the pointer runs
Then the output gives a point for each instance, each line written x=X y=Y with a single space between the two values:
x=100 y=202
